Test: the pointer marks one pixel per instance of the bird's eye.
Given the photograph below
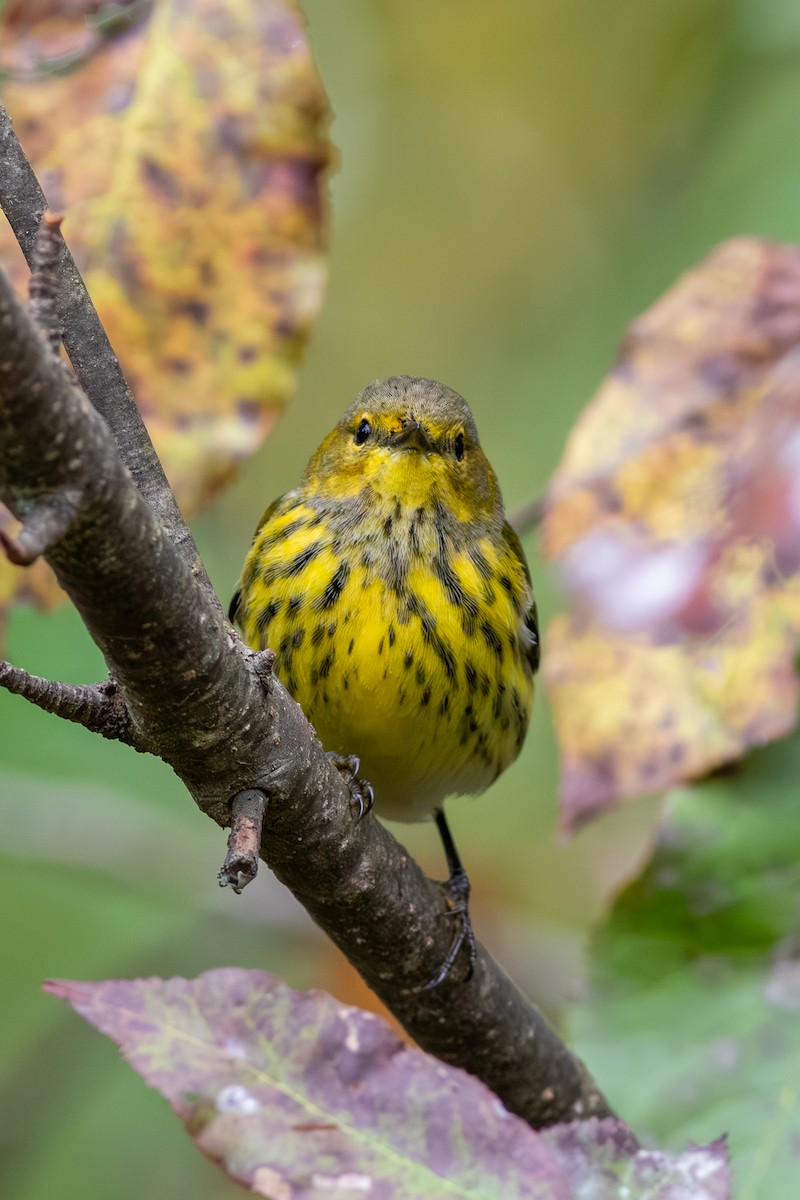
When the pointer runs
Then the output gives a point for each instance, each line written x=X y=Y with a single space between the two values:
x=458 y=446
x=363 y=432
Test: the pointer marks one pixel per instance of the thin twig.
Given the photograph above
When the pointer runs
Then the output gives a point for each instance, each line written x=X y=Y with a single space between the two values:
x=529 y=516
x=45 y=523
x=98 y=707
x=244 y=842
x=43 y=285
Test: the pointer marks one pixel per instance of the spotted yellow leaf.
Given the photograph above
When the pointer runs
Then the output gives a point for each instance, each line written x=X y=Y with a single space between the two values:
x=683 y=564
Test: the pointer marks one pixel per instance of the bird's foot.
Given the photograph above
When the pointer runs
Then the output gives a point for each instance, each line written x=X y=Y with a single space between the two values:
x=362 y=796
x=456 y=894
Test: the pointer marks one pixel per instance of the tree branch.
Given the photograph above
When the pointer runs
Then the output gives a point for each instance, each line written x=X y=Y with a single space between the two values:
x=529 y=516
x=99 y=707
x=198 y=698
x=44 y=291
x=241 y=862
x=45 y=523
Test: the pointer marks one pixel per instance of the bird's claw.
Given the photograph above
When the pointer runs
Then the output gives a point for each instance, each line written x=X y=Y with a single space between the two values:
x=456 y=893
x=362 y=796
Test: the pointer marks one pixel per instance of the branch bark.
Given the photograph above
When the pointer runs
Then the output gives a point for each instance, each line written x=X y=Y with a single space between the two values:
x=244 y=843
x=529 y=516
x=194 y=695
x=98 y=707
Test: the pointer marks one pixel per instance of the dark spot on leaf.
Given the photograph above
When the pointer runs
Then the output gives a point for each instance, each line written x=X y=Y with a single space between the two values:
x=160 y=180
x=179 y=366
x=196 y=310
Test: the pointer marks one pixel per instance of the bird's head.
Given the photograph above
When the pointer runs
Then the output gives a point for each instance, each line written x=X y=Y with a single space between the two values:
x=408 y=441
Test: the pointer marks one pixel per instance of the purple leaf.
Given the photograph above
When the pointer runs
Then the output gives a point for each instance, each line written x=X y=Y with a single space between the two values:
x=299 y=1097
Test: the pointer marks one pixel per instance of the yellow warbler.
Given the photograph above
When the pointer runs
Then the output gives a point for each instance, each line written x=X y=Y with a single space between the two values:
x=399 y=604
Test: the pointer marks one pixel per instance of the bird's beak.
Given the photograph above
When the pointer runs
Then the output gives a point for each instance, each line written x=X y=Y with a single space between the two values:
x=413 y=436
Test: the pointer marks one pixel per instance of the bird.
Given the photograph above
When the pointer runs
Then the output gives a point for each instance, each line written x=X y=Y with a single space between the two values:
x=398 y=602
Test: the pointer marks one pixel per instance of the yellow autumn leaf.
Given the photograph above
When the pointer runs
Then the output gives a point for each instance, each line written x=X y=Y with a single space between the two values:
x=679 y=653
x=190 y=155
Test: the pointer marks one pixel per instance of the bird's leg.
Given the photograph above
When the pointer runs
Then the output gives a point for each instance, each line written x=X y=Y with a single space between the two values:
x=361 y=795
x=456 y=891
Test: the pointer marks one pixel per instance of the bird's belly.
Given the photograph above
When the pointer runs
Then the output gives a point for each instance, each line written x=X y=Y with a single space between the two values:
x=430 y=709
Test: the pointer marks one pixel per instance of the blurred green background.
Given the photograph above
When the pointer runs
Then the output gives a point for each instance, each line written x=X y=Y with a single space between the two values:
x=516 y=183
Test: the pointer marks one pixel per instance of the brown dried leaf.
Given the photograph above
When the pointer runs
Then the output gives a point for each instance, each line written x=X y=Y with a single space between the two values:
x=679 y=655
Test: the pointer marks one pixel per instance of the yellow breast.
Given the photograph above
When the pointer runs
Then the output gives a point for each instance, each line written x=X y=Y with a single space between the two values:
x=402 y=649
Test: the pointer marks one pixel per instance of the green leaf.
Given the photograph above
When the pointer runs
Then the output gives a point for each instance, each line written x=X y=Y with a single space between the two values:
x=693 y=1025
x=299 y=1097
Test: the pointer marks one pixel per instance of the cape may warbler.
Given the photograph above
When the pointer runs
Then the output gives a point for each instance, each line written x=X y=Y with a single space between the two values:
x=398 y=601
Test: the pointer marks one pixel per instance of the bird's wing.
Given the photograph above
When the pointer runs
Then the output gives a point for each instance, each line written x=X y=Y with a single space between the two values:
x=236 y=598
x=530 y=618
